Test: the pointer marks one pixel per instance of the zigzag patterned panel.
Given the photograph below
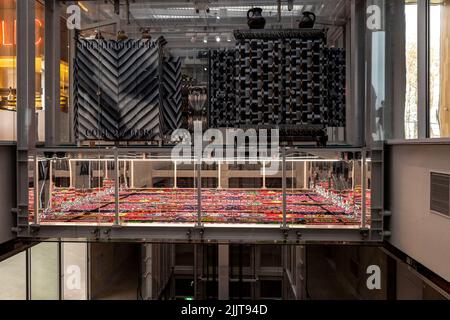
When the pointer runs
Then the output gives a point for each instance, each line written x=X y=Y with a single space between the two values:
x=117 y=94
x=171 y=93
x=96 y=111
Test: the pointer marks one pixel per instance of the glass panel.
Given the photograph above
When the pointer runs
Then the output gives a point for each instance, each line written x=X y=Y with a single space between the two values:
x=153 y=191
x=76 y=188
x=324 y=189
x=45 y=271
x=74 y=256
x=249 y=192
x=13 y=278
x=439 y=55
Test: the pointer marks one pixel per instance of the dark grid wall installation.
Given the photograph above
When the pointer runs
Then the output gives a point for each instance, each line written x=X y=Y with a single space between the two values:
x=280 y=78
x=222 y=88
x=336 y=86
x=118 y=90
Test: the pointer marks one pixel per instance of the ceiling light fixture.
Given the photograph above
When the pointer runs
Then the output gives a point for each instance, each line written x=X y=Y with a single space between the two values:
x=82 y=6
x=205 y=39
x=217 y=39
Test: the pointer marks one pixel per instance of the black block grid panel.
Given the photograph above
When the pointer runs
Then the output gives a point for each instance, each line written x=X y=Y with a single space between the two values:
x=118 y=91
x=336 y=86
x=283 y=79
x=222 y=88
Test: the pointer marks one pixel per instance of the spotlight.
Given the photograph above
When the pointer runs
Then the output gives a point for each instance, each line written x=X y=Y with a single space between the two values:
x=205 y=39
x=217 y=39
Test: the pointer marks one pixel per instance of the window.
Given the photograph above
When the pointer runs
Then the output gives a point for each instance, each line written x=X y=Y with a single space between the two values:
x=13 y=278
x=44 y=271
x=439 y=81
x=411 y=93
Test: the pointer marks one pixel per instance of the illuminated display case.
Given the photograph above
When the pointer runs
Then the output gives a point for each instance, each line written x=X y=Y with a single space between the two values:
x=302 y=189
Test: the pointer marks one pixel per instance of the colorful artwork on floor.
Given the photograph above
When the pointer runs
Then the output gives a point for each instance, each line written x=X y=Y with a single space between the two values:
x=317 y=207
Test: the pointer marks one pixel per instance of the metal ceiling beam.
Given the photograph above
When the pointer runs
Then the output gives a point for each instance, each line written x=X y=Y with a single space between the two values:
x=184 y=233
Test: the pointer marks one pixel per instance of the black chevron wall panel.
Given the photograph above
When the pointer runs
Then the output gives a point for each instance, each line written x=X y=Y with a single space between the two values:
x=96 y=81
x=172 y=94
x=125 y=90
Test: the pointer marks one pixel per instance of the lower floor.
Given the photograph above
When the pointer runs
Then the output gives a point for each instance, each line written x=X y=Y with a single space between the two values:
x=73 y=270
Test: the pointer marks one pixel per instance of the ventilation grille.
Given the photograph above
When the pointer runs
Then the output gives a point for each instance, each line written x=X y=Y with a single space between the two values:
x=440 y=193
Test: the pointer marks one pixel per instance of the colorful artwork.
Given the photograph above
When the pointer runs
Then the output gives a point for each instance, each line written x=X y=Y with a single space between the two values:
x=238 y=206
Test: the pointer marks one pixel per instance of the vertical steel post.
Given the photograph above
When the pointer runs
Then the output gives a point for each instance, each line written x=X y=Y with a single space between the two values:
x=52 y=72
x=50 y=187
x=175 y=174
x=423 y=73
x=70 y=174
x=26 y=113
x=305 y=175
x=199 y=192
x=264 y=175
x=132 y=174
x=284 y=187
x=116 y=187
x=37 y=199
x=219 y=174
x=363 y=189
x=223 y=272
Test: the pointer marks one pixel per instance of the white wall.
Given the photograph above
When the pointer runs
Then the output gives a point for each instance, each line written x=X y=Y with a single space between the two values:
x=8 y=125
x=422 y=235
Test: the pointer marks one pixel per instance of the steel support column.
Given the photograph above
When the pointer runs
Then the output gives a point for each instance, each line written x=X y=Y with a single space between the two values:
x=52 y=73
x=423 y=111
x=26 y=114
x=224 y=281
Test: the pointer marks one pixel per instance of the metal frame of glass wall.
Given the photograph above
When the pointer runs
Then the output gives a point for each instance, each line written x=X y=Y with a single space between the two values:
x=26 y=130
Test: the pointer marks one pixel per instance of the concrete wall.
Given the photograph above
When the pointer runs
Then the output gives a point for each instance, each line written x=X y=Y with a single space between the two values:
x=7 y=190
x=422 y=235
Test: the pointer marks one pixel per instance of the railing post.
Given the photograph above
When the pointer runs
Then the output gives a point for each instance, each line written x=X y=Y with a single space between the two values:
x=363 y=189
x=132 y=174
x=284 y=187
x=219 y=174
x=199 y=192
x=36 y=190
x=264 y=175
x=116 y=187
x=50 y=187
x=175 y=174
